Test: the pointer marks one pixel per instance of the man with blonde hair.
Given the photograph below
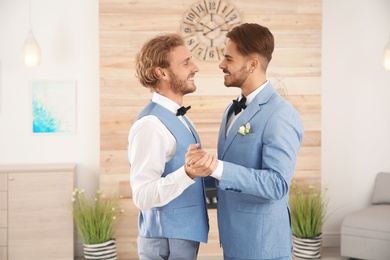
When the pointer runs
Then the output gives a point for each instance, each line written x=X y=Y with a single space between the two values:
x=173 y=216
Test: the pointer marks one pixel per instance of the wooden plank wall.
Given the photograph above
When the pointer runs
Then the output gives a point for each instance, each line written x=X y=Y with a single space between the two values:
x=295 y=71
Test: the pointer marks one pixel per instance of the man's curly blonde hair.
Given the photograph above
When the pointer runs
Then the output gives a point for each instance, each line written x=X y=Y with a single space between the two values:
x=154 y=53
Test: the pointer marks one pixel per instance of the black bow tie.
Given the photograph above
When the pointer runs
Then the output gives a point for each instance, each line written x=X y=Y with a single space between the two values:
x=182 y=111
x=238 y=105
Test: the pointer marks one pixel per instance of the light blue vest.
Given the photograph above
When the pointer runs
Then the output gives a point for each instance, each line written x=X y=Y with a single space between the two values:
x=186 y=216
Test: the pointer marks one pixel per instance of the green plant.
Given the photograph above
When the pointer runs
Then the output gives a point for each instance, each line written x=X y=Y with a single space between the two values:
x=95 y=218
x=308 y=210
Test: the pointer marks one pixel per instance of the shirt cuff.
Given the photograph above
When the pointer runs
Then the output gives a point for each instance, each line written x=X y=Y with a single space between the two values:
x=182 y=178
x=217 y=174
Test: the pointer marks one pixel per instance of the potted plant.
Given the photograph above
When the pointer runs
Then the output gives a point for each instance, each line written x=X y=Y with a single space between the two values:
x=95 y=220
x=308 y=212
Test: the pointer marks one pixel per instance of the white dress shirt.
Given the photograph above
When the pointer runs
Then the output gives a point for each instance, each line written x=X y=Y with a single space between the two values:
x=217 y=174
x=249 y=99
x=150 y=146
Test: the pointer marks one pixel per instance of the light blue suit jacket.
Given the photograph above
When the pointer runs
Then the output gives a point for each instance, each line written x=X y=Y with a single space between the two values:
x=253 y=212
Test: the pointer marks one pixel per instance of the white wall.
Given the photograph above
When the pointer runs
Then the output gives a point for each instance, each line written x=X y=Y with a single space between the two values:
x=67 y=32
x=355 y=104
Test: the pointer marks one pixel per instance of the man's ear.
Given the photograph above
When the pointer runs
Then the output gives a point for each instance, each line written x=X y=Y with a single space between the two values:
x=254 y=63
x=160 y=72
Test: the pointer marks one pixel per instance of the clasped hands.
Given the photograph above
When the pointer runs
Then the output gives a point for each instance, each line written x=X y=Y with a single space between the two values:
x=198 y=163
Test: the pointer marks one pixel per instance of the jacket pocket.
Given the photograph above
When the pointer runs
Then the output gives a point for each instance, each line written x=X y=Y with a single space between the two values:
x=255 y=208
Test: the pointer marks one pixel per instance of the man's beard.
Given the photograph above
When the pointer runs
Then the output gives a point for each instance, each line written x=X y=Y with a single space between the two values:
x=238 y=78
x=177 y=85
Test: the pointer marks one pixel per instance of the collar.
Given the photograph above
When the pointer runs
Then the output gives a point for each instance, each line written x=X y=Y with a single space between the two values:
x=165 y=102
x=252 y=95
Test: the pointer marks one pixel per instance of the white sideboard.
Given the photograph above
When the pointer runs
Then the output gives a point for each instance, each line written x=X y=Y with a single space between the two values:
x=35 y=211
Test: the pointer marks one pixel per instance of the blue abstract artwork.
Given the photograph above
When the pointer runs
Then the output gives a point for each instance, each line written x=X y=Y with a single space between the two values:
x=53 y=106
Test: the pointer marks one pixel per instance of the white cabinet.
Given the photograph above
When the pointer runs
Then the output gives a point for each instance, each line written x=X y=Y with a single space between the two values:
x=35 y=212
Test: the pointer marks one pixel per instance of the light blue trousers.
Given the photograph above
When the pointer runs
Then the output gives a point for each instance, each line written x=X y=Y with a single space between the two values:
x=167 y=249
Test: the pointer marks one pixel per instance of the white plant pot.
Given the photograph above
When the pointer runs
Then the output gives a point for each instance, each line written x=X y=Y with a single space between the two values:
x=307 y=248
x=106 y=250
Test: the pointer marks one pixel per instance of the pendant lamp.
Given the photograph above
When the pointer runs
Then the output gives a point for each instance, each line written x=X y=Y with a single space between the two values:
x=31 y=53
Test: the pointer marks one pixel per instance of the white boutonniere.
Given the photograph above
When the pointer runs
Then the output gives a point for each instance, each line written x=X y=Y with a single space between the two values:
x=244 y=129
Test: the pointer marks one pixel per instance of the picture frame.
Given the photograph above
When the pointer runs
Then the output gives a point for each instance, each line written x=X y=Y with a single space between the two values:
x=53 y=107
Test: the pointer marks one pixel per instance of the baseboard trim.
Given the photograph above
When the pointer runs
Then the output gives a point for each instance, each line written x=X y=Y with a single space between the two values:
x=331 y=239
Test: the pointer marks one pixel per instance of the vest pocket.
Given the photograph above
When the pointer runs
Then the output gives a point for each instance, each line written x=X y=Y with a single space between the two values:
x=186 y=210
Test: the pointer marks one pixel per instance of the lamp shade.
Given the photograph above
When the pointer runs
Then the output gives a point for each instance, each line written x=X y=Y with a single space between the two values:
x=31 y=53
x=386 y=56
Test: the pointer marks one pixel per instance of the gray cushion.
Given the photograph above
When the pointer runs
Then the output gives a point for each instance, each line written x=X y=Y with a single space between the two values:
x=381 y=194
x=371 y=222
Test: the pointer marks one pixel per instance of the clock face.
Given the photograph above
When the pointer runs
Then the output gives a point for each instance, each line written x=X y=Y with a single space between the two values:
x=204 y=28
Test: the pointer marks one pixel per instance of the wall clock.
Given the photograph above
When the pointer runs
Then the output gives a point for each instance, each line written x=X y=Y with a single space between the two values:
x=204 y=27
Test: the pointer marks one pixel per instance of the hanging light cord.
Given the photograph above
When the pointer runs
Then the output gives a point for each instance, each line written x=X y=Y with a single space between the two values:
x=29 y=15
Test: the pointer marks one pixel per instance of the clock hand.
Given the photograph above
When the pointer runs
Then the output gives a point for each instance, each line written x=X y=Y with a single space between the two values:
x=211 y=30
x=205 y=26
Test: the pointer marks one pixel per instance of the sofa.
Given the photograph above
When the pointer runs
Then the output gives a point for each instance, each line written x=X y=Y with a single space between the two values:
x=365 y=234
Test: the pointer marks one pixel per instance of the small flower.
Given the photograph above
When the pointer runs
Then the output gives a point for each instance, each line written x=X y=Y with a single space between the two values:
x=244 y=129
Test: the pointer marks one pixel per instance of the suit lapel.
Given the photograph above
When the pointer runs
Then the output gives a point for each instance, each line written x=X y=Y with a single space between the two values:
x=253 y=108
x=222 y=130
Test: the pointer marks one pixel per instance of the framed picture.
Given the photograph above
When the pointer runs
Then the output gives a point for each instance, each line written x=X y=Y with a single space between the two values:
x=53 y=107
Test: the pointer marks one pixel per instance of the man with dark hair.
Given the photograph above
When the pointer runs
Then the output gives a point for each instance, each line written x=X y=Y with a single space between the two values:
x=258 y=144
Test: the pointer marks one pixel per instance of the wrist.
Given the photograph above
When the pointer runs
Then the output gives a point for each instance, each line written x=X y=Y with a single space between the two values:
x=187 y=171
